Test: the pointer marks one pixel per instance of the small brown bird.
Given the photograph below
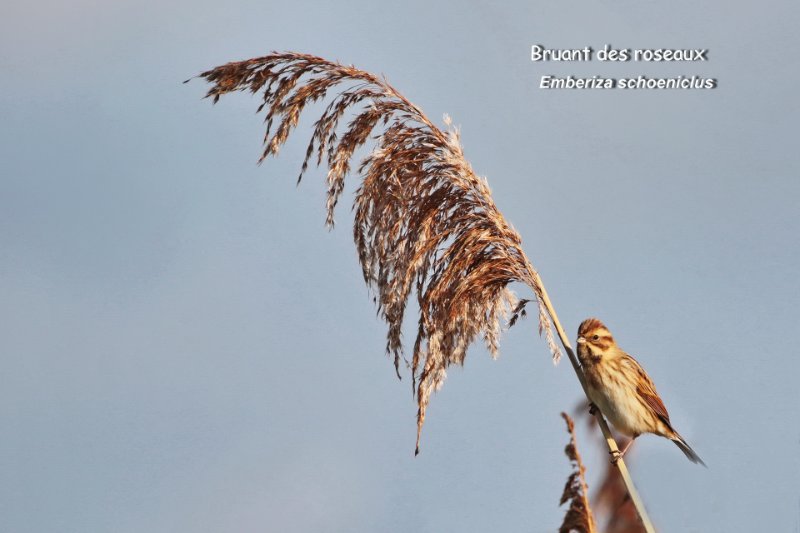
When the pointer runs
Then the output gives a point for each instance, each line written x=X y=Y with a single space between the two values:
x=622 y=390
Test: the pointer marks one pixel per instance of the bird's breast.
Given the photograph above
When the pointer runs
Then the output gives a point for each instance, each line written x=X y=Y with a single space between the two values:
x=620 y=403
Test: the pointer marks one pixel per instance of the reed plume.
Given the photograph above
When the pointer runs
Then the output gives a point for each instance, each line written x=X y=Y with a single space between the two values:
x=579 y=517
x=424 y=221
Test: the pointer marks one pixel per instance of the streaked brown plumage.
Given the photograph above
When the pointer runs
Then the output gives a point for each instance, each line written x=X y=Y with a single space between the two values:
x=622 y=390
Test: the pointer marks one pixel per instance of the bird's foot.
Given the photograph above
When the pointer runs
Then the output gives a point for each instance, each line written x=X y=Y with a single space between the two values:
x=616 y=455
x=592 y=409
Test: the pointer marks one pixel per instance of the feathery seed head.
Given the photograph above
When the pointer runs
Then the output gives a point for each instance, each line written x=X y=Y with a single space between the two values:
x=424 y=223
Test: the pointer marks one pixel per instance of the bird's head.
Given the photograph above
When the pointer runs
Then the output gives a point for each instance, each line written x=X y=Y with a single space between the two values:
x=594 y=341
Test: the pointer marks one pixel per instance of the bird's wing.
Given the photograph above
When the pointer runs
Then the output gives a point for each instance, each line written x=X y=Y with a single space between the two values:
x=647 y=391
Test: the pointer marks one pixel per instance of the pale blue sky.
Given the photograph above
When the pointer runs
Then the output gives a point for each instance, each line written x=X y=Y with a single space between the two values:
x=186 y=349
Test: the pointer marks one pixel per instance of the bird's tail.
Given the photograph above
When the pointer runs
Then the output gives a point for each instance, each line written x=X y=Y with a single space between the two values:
x=687 y=450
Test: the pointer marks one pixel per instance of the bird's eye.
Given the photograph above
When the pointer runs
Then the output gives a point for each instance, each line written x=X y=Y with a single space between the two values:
x=596 y=337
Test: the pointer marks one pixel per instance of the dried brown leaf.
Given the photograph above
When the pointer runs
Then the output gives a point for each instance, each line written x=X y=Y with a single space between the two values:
x=579 y=517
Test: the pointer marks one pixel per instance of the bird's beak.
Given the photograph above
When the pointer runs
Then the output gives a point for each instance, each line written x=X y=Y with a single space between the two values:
x=581 y=340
